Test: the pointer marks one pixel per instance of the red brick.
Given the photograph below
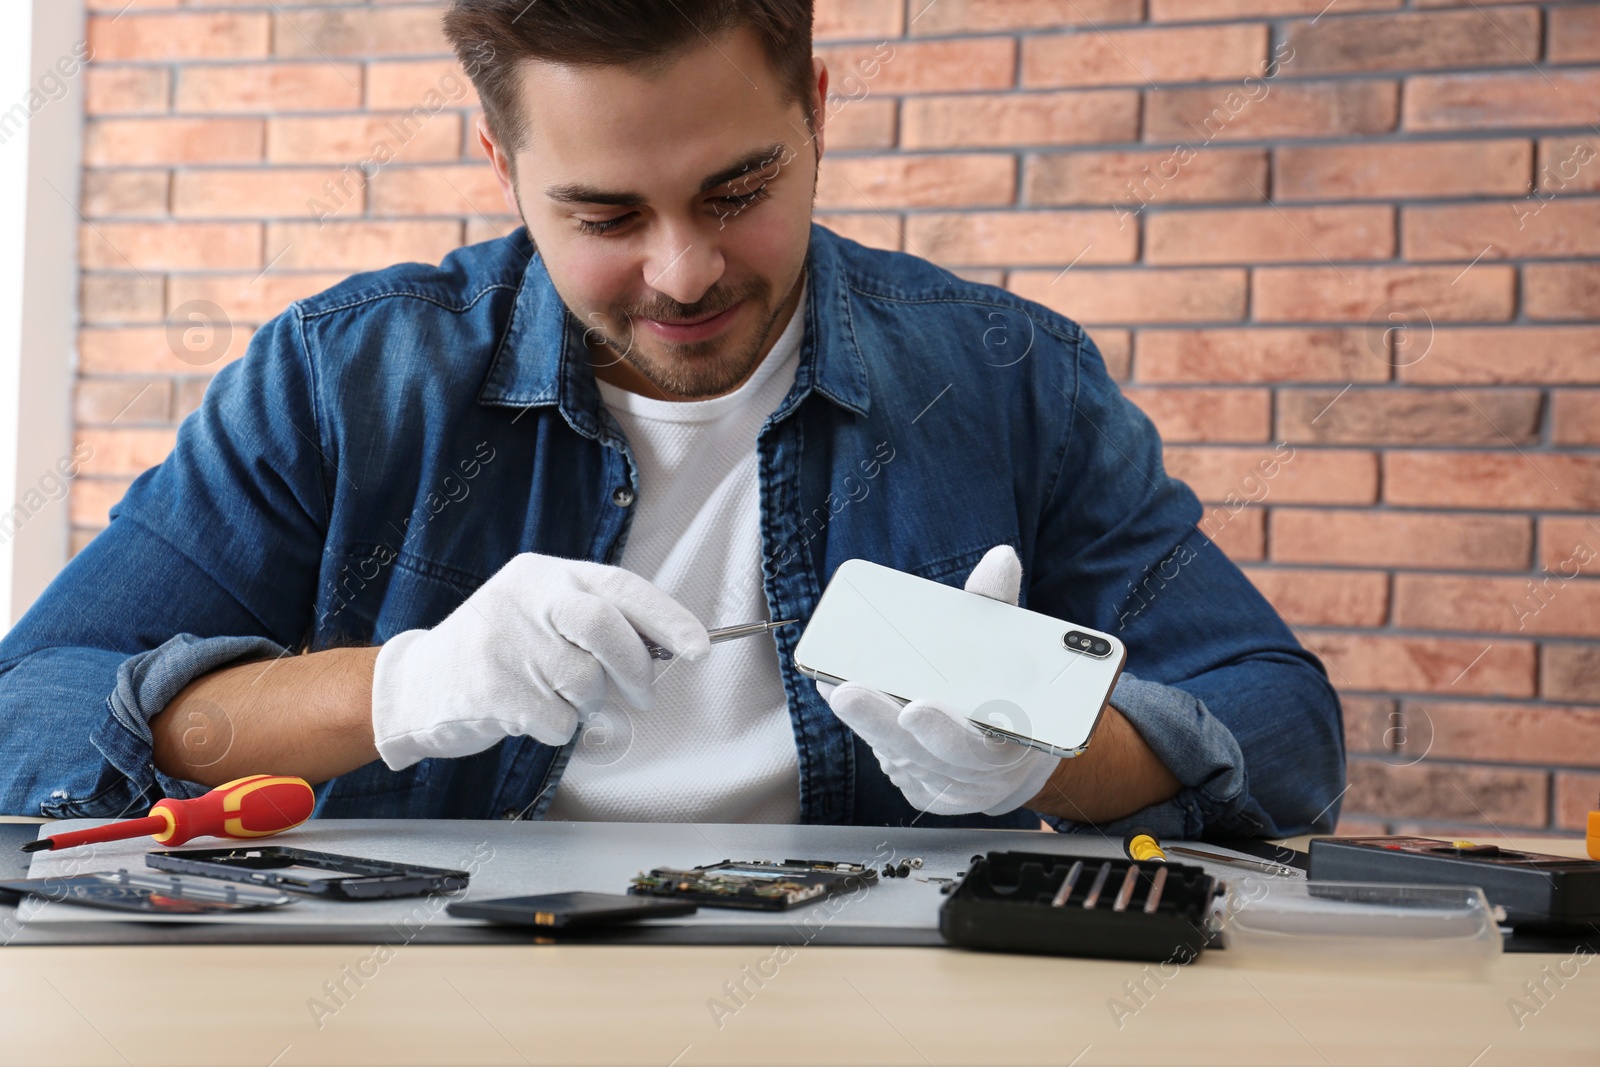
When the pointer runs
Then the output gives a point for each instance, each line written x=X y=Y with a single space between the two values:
x=1168 y=177
x=319 y=86
x=871 y=228
x=1189 y=10
x=1457 y=666
x=1574 y=34
x=1575 y=417
x=247 y=298
x=992 y=16
x=1575 y=798
x=1414 y=41
x=487 y=229
x=105 y=299
x=1569 y=546
x=1549 y=355
x=1021 y=238
x=1400 y=539
x=1520 y=228
x=125 y=90
x=1570 y=672
x=1257 y=354
x=1361 y=294
x=352 y=138
x=1542 y=481
x=1113 y=296
x=126 y=193
x=1116 y=348
x=1489 y=101
x=126 y=451
x=847 y=19
x=358 y=245
x=1324 y=597
x=865 y=123
x=169 y=246
x=145 y=350
x=1239 y=534
x=1144 y=56
x=92 y=498
x=1546 y=605
x=1189 y=413
x=353 y=32
x=1274 y=110
x=156 y=142
x=964 y=180
x=1506 y=733
x=1269 y=234
x=1409 y=416
x=254 y=194
x=986 y=120
x=1561 y=290
x=925 y=66
x=1372 y=726
x=407 y=84
x=97 y=401
x=1410 y=169
x=189 y=35
x=1303 y=476
x=1569 y=164
x=468 y=189
x=1485 y=796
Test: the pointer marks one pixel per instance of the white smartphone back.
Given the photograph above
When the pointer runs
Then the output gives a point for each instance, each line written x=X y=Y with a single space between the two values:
x=1007 y=669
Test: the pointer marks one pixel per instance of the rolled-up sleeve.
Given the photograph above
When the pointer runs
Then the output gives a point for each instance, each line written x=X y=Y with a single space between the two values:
x=209 y=559
x=1215 y=683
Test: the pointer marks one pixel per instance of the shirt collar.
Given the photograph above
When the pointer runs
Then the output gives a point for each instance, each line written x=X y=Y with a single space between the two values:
x=542 y=360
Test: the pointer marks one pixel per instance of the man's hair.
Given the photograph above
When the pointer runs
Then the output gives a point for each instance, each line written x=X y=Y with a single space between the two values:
x=492 y=38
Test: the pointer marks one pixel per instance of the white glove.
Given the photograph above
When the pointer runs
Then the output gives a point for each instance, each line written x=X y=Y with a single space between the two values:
x=941 y=762
x=524 y=654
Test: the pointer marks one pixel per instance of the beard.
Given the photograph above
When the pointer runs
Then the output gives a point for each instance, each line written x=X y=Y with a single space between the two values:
x=697 y=369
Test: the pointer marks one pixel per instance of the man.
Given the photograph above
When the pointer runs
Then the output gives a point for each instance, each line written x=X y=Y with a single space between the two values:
x=409 y=544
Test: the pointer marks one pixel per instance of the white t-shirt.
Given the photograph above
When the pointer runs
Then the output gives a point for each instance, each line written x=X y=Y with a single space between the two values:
x=718 y=746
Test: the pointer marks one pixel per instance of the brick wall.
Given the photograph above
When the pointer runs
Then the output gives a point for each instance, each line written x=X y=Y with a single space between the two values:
x=1346 y=255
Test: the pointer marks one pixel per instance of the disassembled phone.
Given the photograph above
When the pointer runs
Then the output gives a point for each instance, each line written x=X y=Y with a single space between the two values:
x=122 y=890
x=1014 y=673
x=570 y=911
x=322 y=874
x=760 y=884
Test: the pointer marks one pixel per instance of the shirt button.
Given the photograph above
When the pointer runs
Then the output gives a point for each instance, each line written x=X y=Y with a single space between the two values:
x=509 y=813
x=622 y=496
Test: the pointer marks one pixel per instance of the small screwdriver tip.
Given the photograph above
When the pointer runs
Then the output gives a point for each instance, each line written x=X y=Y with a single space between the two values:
x=37 y=846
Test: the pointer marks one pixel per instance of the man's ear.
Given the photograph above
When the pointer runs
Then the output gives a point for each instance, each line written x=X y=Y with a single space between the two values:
x=500 y=159
x=819 y=101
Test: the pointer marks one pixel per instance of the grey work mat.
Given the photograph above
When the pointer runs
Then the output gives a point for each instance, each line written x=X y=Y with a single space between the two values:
x=520 y=858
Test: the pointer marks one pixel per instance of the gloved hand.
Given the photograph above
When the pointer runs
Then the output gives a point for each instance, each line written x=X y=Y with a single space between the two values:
x=524 y=654
x=941 y=762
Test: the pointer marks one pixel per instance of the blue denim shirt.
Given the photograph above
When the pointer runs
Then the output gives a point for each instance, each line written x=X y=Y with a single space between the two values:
x=385 y=446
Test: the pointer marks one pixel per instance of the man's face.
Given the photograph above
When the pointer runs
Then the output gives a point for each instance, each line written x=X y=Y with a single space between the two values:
x=672 y=208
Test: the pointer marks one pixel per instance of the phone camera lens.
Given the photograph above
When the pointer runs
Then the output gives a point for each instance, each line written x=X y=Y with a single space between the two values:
x=1102 y=647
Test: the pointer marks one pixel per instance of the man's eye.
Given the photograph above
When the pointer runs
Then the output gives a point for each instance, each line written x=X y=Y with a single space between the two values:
x=603 y=227
x=738 y=203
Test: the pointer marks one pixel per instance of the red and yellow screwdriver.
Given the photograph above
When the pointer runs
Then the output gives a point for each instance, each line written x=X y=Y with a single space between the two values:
x=257 y=806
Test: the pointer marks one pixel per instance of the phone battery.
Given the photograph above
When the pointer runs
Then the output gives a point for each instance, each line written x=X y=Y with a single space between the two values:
x=156 y=894
x=1537 y=890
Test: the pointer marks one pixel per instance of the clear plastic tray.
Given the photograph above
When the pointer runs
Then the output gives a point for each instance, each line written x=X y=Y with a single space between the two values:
x=1296 y=923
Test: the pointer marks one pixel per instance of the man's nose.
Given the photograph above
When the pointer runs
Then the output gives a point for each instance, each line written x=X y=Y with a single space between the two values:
x=683 y=263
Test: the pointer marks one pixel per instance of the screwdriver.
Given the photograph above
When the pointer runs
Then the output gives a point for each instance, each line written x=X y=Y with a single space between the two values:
x=259 y=805
x=726 y=633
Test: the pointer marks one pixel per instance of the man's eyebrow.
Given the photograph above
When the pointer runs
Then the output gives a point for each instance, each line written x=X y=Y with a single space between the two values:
x=579 y=193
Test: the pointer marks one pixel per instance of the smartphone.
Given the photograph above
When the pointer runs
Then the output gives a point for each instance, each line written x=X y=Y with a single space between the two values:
x=1015 y=674
x=299 y=870
x=569 y=911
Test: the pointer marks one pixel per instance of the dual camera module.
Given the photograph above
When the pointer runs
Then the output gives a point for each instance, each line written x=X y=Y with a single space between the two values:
x=1087 y=644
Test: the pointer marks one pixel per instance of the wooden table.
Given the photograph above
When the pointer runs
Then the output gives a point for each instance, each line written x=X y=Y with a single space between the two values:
x=676 y=1006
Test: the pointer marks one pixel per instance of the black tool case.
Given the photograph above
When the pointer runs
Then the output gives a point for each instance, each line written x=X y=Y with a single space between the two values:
x=1539 y=892
x=1007 y=903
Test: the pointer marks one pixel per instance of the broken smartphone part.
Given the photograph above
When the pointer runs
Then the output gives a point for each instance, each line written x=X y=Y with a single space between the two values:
x=321 y=874
x=570 y=911
x=159 y=894
x=761 y=884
